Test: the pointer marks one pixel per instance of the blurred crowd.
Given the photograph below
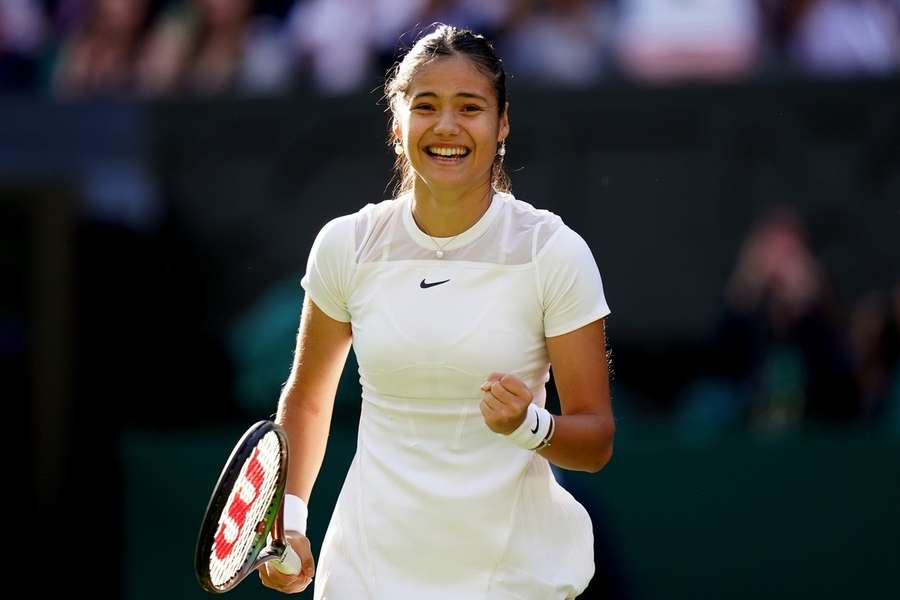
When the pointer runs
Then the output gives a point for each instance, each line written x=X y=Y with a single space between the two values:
x=152 y=48
x=788 y=348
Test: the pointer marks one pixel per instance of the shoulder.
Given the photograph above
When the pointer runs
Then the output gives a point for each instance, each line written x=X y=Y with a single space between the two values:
x=525 y=213
x=542 y=224
x=373 y=214
x=353 y=228
x=563 y=246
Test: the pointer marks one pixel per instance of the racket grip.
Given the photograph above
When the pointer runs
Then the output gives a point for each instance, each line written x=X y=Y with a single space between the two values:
x=289 y=564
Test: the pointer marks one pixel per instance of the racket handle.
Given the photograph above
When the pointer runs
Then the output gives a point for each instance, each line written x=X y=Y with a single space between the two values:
x=289 y=564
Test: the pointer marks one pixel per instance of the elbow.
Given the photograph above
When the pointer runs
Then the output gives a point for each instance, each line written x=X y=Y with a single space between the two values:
x=602 y=460
x=604 y=453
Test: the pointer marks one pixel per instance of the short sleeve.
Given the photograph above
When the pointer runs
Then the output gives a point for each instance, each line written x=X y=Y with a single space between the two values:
x=570 y=283
x=329 y=269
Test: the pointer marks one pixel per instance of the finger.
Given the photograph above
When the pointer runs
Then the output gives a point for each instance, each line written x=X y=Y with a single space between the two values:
x=301 y=545
x=491 y=405
x=491 y=379
x=515 y=385
x=308 y=563
x=274 y=579
x=504 y=396
x=486 y=411
x=500 y=405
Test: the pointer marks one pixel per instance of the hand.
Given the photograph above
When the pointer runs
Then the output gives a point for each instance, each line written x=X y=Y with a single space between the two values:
x=291 y=584
x=505 y=402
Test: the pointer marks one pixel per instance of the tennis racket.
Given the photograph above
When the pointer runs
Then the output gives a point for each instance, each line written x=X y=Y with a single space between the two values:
x=243 y=527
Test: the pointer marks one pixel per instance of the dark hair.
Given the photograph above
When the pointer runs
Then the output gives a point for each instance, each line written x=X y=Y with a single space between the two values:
x=445 y=41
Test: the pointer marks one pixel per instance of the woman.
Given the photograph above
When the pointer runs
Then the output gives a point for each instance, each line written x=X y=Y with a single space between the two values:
x=457 y=298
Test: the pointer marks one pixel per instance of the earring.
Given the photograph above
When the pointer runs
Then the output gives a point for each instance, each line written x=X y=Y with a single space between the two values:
x=398 y=149
x=502 y=151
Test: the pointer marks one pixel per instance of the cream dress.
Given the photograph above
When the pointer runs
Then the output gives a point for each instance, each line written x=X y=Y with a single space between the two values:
x=435 y=506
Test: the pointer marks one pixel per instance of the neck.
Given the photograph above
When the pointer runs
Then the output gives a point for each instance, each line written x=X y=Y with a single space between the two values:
x=446 y=214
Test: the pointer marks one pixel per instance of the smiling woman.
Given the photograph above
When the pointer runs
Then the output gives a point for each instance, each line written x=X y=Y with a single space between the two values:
x=458 y=298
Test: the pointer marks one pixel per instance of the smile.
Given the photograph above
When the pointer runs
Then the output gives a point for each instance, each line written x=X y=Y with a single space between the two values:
x=447 y=153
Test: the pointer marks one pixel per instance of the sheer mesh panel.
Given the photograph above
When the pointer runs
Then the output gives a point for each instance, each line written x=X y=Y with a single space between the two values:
x=515 y=235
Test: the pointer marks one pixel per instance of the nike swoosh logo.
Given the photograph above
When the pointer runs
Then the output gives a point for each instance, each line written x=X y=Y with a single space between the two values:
x=424 y=285
x=537 y=422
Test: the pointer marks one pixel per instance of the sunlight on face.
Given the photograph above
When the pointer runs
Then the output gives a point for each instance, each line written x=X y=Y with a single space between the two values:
x=449 y=126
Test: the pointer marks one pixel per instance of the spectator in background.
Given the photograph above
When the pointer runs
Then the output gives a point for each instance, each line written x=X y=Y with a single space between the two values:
x=22 y=31
x=844 y=37
x=781 y=332
x=346 y=45
x=563 y=42
x=101 y=54
x=394 y=30
x=875 y=332
x=331 y=40
x=664 y=40
x=214 y=46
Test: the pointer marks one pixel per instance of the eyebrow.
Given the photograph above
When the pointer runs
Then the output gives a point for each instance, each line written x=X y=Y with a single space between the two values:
x=459 y=95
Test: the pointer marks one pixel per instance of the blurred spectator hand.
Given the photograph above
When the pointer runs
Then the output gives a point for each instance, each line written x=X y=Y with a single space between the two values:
x=775 y=261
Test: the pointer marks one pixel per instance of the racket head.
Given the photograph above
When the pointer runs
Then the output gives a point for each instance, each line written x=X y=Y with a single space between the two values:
x=243 y=509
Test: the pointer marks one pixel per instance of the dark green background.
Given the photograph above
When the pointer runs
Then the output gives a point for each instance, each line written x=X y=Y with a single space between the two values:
x=812 y=514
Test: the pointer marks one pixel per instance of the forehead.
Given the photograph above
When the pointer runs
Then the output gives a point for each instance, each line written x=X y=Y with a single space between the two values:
x=449 y=76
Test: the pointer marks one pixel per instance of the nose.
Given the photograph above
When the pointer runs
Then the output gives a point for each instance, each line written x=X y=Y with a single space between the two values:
x=446 y=123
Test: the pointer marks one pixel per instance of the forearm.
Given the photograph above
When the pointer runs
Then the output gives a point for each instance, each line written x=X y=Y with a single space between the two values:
x=581 y=442
x=307 y=423
x=307 y=400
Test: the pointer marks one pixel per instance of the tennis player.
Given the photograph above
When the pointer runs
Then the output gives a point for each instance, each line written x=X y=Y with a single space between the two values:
x=457 y=298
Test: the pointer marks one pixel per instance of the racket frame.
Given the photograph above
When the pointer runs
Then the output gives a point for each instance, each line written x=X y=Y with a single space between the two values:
x=260 y=551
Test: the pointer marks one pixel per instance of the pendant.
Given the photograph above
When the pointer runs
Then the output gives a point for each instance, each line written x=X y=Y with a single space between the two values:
x=439 y=253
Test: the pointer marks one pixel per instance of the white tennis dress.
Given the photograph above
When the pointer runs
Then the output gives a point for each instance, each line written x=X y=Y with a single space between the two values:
x=435 y=505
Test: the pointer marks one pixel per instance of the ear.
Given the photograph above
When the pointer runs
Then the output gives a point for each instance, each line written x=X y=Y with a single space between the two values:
x=395 y=129
x=503 y=132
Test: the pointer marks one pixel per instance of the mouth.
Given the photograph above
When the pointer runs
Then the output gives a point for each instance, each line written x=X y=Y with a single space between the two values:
x=447 y=154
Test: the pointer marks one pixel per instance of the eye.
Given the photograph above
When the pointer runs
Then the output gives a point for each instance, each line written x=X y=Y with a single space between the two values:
x=424 y=107
x=472 y=108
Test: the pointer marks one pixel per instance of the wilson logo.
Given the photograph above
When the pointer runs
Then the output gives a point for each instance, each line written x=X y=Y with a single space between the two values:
x=248 y=484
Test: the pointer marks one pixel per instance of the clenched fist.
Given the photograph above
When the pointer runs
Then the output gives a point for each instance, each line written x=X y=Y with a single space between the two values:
x=505 y=402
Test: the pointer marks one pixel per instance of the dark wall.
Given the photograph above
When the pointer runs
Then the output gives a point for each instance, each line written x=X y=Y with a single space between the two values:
x=662 y=183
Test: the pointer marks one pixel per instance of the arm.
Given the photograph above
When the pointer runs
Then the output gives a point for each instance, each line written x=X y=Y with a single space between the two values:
x=583 y=435
x=304 y=410
x=574 y=306
x=307 y=400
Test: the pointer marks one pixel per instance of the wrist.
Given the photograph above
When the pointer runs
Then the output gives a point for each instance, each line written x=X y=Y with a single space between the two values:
x=295 y=514
x=536 y=429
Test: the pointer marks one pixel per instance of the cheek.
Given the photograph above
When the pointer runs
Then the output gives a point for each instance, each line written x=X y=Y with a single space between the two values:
x=411 y=131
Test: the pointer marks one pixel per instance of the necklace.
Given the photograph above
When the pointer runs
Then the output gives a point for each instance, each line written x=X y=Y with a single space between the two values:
x=439 y=253
x=440 y=249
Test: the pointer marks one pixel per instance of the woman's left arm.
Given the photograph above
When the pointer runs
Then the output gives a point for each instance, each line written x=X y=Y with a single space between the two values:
x=583 y=434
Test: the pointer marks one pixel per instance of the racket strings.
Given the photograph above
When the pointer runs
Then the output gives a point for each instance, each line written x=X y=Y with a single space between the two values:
x=238 y=533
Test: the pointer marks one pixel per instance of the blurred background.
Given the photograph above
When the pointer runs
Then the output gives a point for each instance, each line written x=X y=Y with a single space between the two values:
x=733 y=164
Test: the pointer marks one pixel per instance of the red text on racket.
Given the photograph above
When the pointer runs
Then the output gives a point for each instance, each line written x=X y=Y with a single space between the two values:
x=243 y=525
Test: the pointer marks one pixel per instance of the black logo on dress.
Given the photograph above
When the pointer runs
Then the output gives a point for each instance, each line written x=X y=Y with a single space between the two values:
x=537 y=422
x=424 y=285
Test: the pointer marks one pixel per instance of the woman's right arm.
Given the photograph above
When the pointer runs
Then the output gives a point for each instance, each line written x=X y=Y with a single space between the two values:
x=304 y=410
x=307 y=400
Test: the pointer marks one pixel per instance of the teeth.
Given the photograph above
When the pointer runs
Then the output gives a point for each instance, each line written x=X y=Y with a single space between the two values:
x=447 y=151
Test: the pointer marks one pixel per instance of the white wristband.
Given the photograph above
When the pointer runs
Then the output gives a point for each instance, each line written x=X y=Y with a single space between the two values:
x=295 y=514
x=534 y=430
